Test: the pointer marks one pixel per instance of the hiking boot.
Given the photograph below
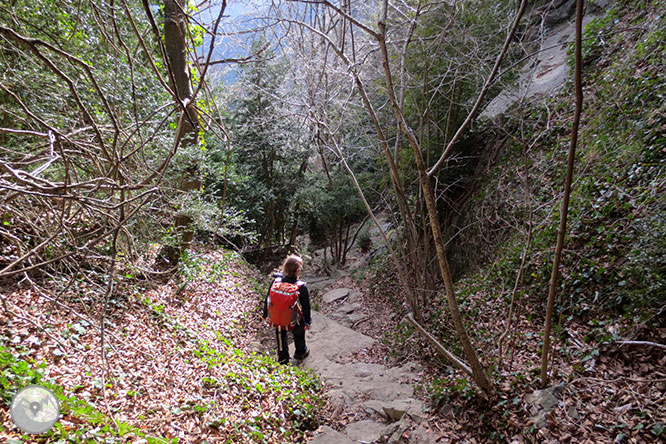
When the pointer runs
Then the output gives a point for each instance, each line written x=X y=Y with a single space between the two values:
x=300 y=357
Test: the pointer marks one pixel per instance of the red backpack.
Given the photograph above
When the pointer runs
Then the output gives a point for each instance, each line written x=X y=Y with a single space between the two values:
x=284 y=309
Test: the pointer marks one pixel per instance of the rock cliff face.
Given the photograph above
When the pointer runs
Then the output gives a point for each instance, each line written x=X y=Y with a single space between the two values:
x=542 y=77
x=547 y=71
x=516 y=154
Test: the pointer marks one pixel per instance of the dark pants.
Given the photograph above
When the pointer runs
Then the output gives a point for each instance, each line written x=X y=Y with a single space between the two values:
x=299 y=342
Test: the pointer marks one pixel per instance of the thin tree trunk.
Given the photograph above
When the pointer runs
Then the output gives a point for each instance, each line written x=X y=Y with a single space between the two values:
x=344 y=245
x=428 y=192
x=294 y=225
x=440 y=348
x=564 y=208
x=358 y=230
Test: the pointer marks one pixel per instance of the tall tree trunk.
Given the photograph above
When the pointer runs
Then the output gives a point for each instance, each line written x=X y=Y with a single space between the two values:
x=564 y=208
x=294 y=225
x=175 y=45
x=429 y=196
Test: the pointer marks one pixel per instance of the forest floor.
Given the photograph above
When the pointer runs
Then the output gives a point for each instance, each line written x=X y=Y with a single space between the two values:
x=600 y=391
x=179 y=361
x=190 y=360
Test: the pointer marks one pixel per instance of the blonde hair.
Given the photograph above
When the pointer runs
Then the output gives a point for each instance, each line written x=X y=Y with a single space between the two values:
x=292 y=265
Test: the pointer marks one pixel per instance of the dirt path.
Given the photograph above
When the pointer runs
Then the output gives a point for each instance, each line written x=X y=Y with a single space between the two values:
x=381 y=399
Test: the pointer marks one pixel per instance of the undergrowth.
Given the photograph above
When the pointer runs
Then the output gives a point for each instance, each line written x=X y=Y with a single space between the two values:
x=613 y=277
x=241 y=396
x=17 y=371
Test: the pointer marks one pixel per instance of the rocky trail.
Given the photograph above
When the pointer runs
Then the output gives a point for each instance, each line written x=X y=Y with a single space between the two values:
x=381 y=399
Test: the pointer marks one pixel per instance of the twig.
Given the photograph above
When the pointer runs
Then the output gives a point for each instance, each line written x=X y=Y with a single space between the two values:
x=621 y=378
x=36 y=324
x=359 y=321
x=648 y=343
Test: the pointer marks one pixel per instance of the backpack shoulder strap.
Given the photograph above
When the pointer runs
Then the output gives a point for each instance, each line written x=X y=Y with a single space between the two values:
x=299 y=284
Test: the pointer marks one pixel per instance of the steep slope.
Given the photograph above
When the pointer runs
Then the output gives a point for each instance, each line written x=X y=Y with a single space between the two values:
x=607 y=378
x=178 y=362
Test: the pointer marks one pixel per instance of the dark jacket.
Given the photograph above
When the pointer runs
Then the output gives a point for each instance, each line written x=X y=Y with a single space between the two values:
x=303 y=297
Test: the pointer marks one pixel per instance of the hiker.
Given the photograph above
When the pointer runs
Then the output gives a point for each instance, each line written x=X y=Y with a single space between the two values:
x=288 y=305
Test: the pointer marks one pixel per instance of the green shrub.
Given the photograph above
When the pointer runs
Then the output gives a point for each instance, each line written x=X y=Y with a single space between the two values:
x=364 y=241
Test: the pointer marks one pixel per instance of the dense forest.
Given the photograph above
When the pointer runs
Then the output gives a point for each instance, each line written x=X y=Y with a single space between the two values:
x=476 y=189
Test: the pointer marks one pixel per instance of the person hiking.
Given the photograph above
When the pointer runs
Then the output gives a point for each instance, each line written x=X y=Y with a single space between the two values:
x=287 y=307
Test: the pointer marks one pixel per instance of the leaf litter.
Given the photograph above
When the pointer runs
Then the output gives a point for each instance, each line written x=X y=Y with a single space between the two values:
x=179 y=360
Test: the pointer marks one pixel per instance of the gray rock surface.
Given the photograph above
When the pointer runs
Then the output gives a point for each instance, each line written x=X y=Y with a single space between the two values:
x=329 y=436
x=328 y=341
x=548 y=71
x=336 y=294
x=385 y=394
x=367 y=431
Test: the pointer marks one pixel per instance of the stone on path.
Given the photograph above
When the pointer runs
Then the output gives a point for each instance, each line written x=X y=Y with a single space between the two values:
x=336 y=294
x=394 y=410
x=355 y=317
x=348 y=308
x=328 y=340
x=368 y=430
x=320 y=284
x=421 y=435
x=354 y=297
x=339 y=274
x=315 y=279
x=330 y=436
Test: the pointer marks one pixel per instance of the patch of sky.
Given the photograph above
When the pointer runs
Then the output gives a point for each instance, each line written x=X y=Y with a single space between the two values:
x=244 y=21
x=241 y=23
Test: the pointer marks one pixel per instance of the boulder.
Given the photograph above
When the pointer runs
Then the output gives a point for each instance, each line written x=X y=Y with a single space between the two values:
x=336 y=294
x=366 y=431
x=329 y=436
